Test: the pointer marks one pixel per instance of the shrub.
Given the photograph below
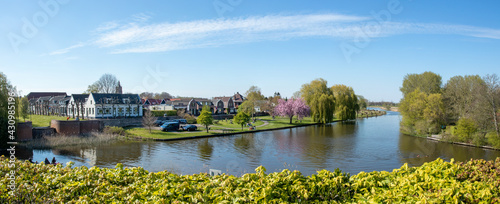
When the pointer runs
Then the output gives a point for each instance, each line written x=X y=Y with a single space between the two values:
x=113 y=130
x=434 y=182
x=479 y=139
x=160 y=113
x=493 y=139
x=465 y=129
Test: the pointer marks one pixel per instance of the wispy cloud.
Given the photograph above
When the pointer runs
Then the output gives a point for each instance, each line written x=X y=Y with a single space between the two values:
x=133 y=37
x=66 y=50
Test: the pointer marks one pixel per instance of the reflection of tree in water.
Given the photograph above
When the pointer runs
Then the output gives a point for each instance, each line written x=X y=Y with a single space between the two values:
x=415 y=151
x=205 y=149
x=249 y=147
x=105 y=154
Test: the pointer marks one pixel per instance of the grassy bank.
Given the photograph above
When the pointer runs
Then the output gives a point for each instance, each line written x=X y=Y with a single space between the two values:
x=43 y=120
x=476 y=181
x=370 y=113
x=223 y=126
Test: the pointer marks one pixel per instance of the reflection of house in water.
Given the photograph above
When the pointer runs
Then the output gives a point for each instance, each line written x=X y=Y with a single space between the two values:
x=105 y=155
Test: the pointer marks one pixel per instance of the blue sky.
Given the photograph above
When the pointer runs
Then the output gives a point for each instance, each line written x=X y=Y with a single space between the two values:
x=216 y=48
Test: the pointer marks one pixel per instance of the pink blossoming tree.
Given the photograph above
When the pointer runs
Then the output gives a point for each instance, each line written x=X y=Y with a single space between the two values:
x=292 y=107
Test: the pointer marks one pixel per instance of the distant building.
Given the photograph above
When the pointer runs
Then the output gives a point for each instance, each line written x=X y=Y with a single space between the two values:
x=238 y=99
x=228 y=104
x=97 y=105
x=34 y=95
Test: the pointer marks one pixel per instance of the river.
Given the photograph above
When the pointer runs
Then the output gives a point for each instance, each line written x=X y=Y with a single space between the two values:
x=369 y=144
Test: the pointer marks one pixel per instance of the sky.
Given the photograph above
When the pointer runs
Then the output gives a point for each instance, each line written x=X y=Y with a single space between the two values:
x=220 y=47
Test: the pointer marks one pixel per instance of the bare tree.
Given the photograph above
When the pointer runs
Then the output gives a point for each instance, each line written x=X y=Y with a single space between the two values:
x=148 y=120
x=492 y=96
x=106 y=84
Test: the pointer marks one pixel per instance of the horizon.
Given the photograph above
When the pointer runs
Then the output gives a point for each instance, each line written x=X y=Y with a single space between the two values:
x=210 y=49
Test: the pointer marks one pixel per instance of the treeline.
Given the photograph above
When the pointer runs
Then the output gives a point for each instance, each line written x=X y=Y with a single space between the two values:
x=465 y=109
x=327 y=103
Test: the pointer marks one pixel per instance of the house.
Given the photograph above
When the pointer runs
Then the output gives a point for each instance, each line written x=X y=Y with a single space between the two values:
x=100 y=105
x=179 y=103
x=34 y=95
x=58 y=105
x=238 y=99
x=228 y=104
x=157 y=104
x=40 y=103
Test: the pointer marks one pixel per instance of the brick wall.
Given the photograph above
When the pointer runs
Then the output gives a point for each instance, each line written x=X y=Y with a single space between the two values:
x=24 y=131
x=76 y=127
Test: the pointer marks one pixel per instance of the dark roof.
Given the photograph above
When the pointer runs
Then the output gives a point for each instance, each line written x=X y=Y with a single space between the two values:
x=224 y=99
x=238 y=97
x=134 y=98
x=80 y=97
x=58 y=98
x=32 y=95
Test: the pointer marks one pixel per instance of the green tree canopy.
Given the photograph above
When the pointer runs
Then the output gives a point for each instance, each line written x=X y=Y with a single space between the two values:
x=205 y=118
x=427 y=82
x=346 y=102
x=242 y=118
x=320 y=99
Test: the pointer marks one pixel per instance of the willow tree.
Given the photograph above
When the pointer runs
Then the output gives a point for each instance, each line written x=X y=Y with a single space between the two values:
x=320 y=99
x=346 y=102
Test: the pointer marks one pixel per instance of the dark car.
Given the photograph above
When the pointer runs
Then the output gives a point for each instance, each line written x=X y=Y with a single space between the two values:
x=190 y=128
x=170 y=126
x=159 y=122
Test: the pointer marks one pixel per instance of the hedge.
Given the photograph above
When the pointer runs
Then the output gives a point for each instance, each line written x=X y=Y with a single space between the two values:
x=160 y=113
x=433 y=182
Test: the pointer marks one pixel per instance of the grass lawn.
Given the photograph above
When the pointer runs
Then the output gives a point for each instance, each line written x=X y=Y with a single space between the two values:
x=44 y=120
x=158 y=134
x=226 y=124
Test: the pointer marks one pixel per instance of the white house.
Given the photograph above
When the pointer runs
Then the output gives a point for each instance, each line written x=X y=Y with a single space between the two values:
x=97 y=105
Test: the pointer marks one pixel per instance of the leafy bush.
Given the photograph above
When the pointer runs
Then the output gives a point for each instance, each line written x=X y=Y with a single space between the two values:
x=434 y=182
x=113 y=130
x=465 y=129
x=479 y=139
x=161 y=113
x=493 y=139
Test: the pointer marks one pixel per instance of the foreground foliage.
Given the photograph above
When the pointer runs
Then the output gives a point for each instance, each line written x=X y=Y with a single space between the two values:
x=437 y=181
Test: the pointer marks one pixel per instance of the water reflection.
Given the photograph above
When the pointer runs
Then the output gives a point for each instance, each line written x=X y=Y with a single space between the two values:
x=205 y=149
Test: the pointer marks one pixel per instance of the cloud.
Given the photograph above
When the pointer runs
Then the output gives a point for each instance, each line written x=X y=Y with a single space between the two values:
x=161 y=37
x=66 y=50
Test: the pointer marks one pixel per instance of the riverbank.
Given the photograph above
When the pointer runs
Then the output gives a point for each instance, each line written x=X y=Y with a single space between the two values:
x=222 y=128
x=439 y=138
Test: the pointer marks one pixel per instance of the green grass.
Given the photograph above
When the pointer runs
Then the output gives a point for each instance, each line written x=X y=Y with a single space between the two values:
x=158 y=134
x=226 y=124
x=44 y=120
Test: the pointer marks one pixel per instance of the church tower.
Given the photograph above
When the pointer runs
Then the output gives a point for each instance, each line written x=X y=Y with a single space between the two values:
x=119 y=88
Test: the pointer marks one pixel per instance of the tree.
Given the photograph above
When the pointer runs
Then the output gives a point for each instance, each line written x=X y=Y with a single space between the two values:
x=461 y=95
x=320 y=100
x=242 y=118
x=346 y=102
x=362 y=102
x=427 y=82
x=24 y=107
x=254 y=94
x=205 y=117
x=492 y=97
x=148 y=120
x=6 y=91
x=106 y=84
x=247 y=107
x=292 y=107
x=465 y=129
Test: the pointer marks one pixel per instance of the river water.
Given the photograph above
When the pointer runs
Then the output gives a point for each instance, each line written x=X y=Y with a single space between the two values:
x=370 y=144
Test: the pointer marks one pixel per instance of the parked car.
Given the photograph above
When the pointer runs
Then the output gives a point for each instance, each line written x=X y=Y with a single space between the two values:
x=170 y=126
x=159 y=122
x=189 y=128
